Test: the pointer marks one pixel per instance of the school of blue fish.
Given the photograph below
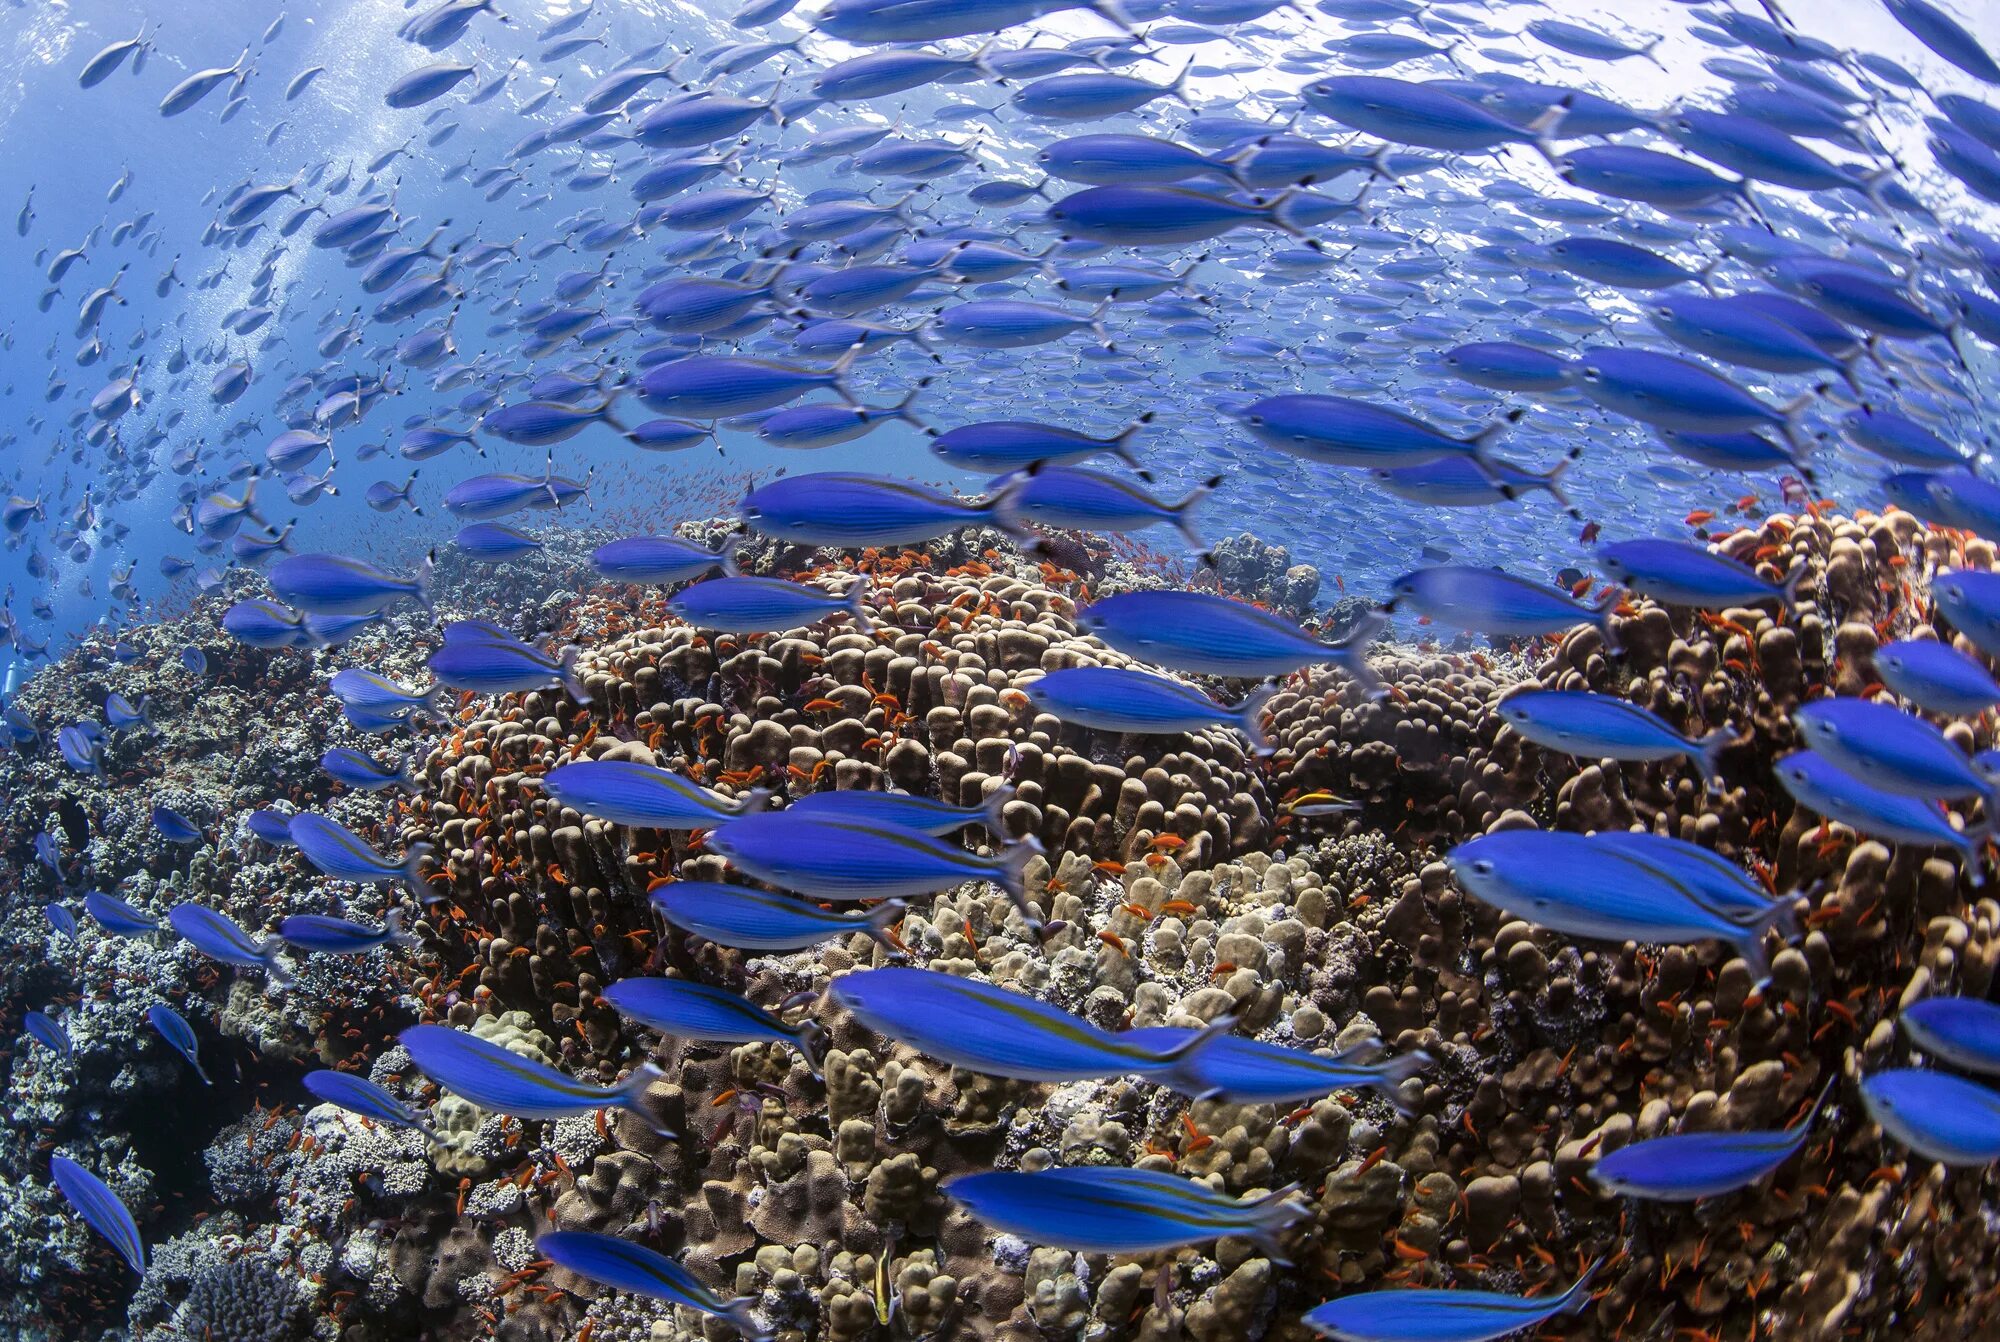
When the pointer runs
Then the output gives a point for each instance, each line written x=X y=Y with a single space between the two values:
x=1488 y=284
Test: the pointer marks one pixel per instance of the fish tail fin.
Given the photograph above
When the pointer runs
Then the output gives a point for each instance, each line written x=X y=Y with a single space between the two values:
x=1011 y=874
x=1708 y=754
x=421 y=580
x=1182 y=516
x=1113 y=12
x=1249 y=715
x=738 y=1312
x=1552 y=479
x=1391 y=1073
x=1781 y=917
x=811 y=1040
x=1121 y=445
x=1351 y=652
x=406 y=775
x=726 y=556
x=200 y=1071
x=903 y=408
x=566 y=672
x=753 y=801
x=1273 y=1215
x=630 y=1095
x=839 y=370
x=1546 y=125
x=413 y=863
x=428 y=701
x=881 y=919
x=1792 y=426
x=1278 y=211
x=1607 y=611
x=857 y=609
x=1178 y=89
x=393 y=922
x=992 y=810
x=1578 y=1295
x=1480 y=445
x=1097 y=325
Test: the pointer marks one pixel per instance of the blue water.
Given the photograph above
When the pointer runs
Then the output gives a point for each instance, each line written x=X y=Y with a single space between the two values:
x=1343 y=328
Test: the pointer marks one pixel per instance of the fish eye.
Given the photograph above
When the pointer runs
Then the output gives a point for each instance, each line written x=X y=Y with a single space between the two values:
x=1483 y=867
x=1257 y=421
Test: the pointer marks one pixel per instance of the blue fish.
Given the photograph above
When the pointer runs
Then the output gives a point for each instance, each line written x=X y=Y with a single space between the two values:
x=691 y=1010
x=273 y=827
x=1964 y=1031
x=1441 y=1316
x=123 y=715
x=1076 y=498
x=738 y=605
x=659 y=559
x=1118 y=699
x=355 y=687
x=81 y=751
x=1582 y=888
x=1939 y=1116
x=1341 y=431
x=219 y=938
x=1888 y=748
x=503 y=665
x=175 y=827
x=1821 y=786
x=117 y=917
x=331 y=584
x=994 y=1031
x=507 y=1083
x=824 y=858
x=1094 y=1209
x=176 y=1031
x=358 y=1095
x=1936 y=677
x=493 y=543
x=766 y=920
x=1970 y=599
x=346 y=856
x=1248 y=1071
x=1681 y=573
x=855 y=511
x=1000 y=447
x=366 y=774
x=101 y=1209
x=1713 y=879
x=1603 y=726
x=62 y=920
x=1689 y=1166
x=1946 y=36
x=901 y=810
x=338 y=936
x=49 y=1032
x=641 y=795
x=265 y=624
x=1488 y=601
x=623 y=1265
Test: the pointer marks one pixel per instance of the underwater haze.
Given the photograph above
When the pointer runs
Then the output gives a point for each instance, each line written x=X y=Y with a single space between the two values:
x=1131 y=670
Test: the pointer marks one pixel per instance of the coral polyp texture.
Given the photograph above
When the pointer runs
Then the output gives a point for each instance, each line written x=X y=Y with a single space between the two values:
x=1184 y=880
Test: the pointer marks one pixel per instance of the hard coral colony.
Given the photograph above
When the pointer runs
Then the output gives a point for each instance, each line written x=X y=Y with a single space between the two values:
x=871 y=908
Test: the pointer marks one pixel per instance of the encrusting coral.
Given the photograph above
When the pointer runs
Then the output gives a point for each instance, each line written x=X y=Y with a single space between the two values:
x=1179 y=885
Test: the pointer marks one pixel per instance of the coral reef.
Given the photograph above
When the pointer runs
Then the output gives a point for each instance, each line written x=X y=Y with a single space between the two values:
x=1179 y=887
